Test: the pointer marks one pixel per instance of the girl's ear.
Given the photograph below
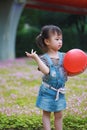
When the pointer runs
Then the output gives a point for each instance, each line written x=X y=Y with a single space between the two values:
x=46 y=41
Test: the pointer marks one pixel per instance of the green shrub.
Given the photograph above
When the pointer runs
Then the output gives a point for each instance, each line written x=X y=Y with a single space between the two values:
x=75 y=123
x=21 y=122
x=34 y=122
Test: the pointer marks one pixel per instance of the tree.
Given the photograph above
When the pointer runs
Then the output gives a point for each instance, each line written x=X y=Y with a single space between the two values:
x=73 y=27
x=79 y=22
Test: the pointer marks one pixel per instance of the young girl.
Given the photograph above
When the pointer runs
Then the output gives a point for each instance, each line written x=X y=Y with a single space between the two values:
x=51 y=96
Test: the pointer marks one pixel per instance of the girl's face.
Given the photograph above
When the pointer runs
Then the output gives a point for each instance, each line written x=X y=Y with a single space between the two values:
x=54 y=42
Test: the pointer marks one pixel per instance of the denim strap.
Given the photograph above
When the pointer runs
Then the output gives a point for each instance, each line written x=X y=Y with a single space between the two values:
x=60 y=58
x=50 y=61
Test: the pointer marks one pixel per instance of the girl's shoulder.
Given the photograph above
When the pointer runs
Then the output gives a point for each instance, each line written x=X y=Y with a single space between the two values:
x=44 y=59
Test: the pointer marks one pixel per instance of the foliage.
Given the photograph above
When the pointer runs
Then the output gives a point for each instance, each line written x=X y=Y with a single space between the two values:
x=74 y=123
x=20 y=122
x=26 y=41
x=74 y=29
x=34 y=122
x=79 y=23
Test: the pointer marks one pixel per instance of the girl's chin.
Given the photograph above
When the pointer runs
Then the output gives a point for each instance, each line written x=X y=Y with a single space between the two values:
x=58 y=48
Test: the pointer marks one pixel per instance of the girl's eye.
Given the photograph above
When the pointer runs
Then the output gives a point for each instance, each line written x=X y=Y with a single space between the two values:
x=59 y=39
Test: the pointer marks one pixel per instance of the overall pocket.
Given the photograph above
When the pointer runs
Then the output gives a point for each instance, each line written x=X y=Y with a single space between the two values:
x=47 y=91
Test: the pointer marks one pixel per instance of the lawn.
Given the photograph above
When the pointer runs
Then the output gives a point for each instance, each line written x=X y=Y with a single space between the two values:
x=19 y=85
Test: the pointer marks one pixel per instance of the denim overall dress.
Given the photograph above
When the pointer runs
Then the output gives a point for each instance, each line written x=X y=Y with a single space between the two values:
x=51 y=96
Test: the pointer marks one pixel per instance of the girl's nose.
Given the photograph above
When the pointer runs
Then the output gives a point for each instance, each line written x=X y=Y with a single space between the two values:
x=60 y=41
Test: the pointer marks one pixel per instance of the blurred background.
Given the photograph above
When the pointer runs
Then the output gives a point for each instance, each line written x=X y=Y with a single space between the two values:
x=74 y=29
x=22 y=20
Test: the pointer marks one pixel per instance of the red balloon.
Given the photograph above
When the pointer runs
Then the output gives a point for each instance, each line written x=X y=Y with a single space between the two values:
x=75 y=61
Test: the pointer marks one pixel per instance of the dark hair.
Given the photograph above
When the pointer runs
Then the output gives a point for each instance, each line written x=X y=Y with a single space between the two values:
x=45 y=33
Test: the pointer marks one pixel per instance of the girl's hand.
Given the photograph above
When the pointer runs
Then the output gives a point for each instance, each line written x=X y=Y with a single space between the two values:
x=32 y=54
x=43 y=68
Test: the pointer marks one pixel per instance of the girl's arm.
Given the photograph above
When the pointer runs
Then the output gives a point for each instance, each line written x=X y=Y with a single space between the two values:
x=43 y=68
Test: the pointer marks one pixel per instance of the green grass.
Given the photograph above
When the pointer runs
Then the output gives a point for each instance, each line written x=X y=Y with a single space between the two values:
x=19 y=85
